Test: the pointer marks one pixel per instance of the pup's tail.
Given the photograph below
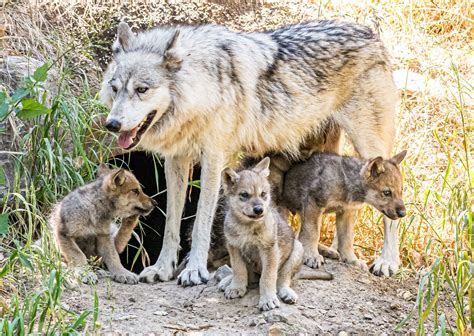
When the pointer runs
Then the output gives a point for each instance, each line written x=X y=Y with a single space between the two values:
x=306 y=273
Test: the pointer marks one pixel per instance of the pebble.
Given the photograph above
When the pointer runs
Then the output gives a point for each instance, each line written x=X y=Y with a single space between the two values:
x=160 y=313
x=256 y=322
x=132 y=299
x=394 y=306
x=275 y=330
x=343 y=333
x=368 y=317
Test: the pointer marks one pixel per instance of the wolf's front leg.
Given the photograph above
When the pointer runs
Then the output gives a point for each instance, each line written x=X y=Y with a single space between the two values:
x=196 y=272
x=177 y=175
x=389 y=261
x=268 y=280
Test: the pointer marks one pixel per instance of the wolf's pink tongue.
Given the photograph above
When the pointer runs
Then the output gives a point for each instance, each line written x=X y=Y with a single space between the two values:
x=125 y=139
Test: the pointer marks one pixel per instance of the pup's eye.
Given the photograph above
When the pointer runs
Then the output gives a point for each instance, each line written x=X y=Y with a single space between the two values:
x=387 y=193
x=136 y=191
x=114 y=88
x=142 y=89
x=263 y=194
x=244 y=195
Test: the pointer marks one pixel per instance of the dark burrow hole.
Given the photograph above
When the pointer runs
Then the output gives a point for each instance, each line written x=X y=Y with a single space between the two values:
x=149 y=170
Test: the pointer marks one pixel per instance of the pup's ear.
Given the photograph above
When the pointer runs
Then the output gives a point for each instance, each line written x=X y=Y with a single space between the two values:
x=230 y=178
x=124 y=37
x=375 y=167
x=262 y=168
x=172 y=60
x=118 y=179
x=397 y=159
x=102 y=170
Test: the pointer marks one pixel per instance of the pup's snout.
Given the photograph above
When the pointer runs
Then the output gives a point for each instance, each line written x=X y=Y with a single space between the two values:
x=401 y=212
x=258 y=209
x=113 y=125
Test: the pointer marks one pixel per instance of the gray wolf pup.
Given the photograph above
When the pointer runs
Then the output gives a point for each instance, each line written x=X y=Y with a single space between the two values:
x=204 y=93
x=333 y=183
x=82 y=223
x=259 y=239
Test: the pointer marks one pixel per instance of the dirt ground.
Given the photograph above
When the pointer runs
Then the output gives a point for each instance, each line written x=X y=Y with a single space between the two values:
x=354 y=302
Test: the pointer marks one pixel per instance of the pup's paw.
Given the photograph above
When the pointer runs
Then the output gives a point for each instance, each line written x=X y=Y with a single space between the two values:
x=89 y=277
x=384 y=267
x=328 y=252
x=234 y=291
x=194 y=274
x=268 y=302
x=357 y=263
x=125 y=277
x=161 y=271
x=287 y=295
x=225 y=282
x=313 y=260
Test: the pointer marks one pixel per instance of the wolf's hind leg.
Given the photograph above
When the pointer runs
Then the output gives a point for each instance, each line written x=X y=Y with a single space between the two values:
x=177 y=174
x=309 y=236
x=286 y=273
x=369 y=118
x=345 y=221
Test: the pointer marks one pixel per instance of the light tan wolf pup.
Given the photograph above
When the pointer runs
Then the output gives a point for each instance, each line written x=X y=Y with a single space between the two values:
x=259 y=239
x=83 y=222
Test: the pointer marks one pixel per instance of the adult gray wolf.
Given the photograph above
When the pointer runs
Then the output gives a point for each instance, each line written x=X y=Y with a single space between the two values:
x=333 y=183
x=82 y=223
x=259 y=239
x=203 y=93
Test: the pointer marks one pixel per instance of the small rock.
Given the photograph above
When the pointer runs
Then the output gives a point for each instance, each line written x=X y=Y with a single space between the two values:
x=160 y=313
x=256 y=322
x=394 y=306
x=343 y=333
x=364 y=280
x=199 y=305
x=332 y=313
x=132 y=299
x=125 y=317
x=368 y=317
x=275 y=330
x=407 y=296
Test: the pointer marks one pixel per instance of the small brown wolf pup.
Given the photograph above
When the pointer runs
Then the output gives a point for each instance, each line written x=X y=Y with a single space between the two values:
x=82 y=222
x=333 y=183
x=259 y=239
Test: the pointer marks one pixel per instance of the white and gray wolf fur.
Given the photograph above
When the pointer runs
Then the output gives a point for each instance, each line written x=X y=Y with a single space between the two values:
x=259 y=239
x=203 y=93
x=333 y=183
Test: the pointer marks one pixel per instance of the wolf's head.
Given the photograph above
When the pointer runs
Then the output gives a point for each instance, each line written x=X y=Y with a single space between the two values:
x=248 y=192
x=384 y=184
x=137 y=83
x=122 y=187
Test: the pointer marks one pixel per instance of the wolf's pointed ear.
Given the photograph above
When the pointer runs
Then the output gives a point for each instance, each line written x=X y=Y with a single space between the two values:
x=118 y=179
x=124 y=36
x=263 y=167
x=102 y=170
x=230 y=178
x=172 y=61
x=375 y=167
x=397 y=159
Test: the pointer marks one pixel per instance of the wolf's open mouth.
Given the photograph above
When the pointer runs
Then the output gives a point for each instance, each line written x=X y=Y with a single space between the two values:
x=129 y=139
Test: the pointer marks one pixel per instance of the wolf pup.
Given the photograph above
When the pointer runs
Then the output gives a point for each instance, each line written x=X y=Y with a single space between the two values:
x=82 y=223
x=333 y=183
x=258 y=239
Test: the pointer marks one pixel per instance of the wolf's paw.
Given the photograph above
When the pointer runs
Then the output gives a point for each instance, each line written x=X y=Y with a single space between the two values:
x=287 y=295
x=313 y=260
x=125 y=277
x=384 y=267
x=268 y=302
x=328 y=252
x=194 y=274
x=161 y=271
x=225 y=282
x=357 y=263
x=234 y=291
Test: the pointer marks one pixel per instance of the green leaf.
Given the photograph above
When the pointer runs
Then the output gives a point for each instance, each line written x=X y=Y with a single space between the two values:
x=3 y=97
x=31 y=108
x=3 y=224
x=19 y=94
x=2 y=176
x=41 y=73
x=4 y=110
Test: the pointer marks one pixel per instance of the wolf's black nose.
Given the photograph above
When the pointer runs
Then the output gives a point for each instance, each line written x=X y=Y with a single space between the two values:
x=401 y=212
x=258 y=210
x=113 y=125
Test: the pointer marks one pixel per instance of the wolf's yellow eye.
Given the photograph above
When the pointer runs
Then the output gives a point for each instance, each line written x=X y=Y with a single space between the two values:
x=136 y=191
x=263 y=194
x=142 y=89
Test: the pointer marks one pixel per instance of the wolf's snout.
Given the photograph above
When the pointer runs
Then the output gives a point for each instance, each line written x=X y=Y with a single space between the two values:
x=113 y=125
x=401 y=212
x=258 y=210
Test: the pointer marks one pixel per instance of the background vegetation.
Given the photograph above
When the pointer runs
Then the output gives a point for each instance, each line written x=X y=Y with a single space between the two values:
x=58 y=140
